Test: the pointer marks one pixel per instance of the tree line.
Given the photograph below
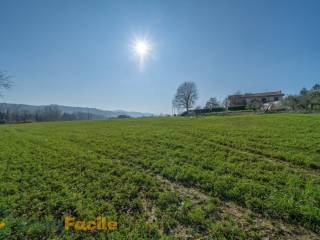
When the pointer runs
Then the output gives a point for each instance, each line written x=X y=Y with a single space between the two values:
x=187 y=95
x=184 y=99
x=306 y=100
x=48 y=113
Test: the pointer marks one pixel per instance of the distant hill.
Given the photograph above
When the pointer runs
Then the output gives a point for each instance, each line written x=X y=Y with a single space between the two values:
x=97 y=113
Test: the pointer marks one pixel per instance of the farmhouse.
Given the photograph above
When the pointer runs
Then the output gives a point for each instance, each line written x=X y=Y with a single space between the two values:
x=240 y=100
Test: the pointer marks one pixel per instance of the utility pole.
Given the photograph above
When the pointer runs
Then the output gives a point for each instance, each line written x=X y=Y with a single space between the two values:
x=173 y=108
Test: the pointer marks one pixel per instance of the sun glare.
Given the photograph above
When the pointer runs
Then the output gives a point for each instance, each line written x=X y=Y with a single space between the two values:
x=142 y=50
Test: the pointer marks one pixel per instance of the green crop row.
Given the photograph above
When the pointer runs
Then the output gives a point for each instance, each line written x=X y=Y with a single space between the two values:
x=264 y=163
x=48 y=179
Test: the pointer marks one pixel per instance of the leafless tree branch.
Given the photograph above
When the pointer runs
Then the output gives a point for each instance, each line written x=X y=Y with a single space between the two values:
x=5 y=81
x=186 y=96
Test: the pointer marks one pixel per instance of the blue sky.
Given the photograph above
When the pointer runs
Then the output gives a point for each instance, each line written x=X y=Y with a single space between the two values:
x=78 y=52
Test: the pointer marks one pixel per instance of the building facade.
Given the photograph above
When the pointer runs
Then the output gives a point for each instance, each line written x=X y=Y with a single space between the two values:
x=245 y=100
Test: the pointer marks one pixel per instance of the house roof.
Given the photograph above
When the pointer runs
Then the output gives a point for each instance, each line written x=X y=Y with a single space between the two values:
x=264 y=94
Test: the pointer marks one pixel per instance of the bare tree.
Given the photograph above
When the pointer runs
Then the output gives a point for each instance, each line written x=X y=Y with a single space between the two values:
x=255 y=104
x=225 y=103
x=306 y=100
x=316 y=87
x=315 y=98
x=5 y=81
x=304 y=91
x=212 y=103
x=292 y=102
x=186 y=96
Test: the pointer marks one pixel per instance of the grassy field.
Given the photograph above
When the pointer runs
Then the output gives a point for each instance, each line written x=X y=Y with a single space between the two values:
x=223 y=177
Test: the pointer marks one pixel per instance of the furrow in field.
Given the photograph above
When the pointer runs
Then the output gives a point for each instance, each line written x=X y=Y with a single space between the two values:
x=251 y=185
x=259 y=148
x=245 y=218
x=302 y=168
x=261 y=143
x=93 y=172
x=157 y=156
x=265 y=157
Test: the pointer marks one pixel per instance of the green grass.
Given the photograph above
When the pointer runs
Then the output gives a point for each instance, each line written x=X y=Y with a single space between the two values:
x=147 y=174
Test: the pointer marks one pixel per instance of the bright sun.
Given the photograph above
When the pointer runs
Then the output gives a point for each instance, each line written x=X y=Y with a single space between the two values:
x=141 y=48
